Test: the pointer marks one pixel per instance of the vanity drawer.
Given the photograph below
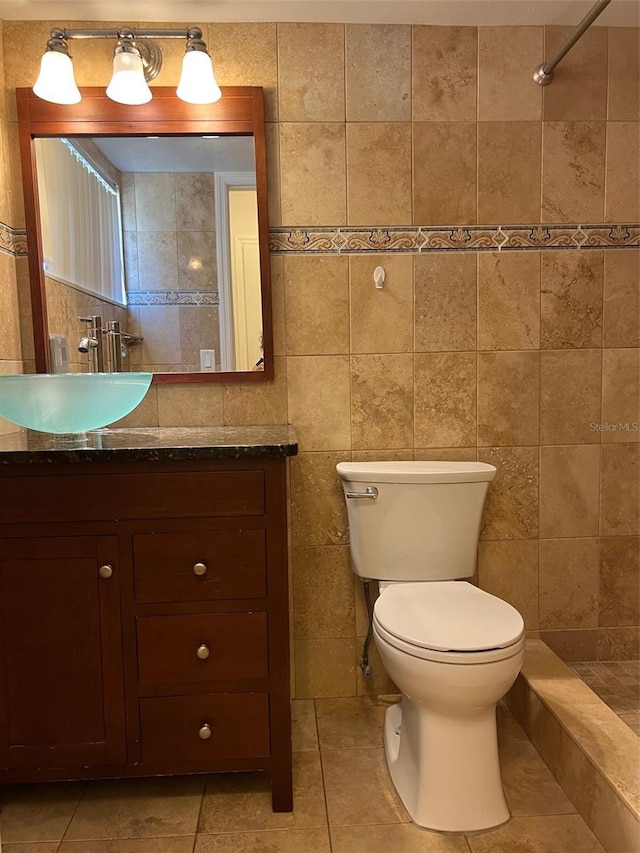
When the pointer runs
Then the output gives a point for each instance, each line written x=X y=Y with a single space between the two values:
x=209 y=726
x=118 y=496
x=213 y=647
x=200 y=566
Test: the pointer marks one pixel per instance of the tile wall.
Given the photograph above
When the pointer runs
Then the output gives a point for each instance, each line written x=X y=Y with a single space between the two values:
x=170 y=265
x=428 y=150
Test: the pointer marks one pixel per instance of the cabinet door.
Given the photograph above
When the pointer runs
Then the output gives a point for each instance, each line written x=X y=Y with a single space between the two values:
x=62 y=685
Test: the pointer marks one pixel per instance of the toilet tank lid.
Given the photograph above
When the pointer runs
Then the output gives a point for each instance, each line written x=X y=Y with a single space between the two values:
x=416 y=472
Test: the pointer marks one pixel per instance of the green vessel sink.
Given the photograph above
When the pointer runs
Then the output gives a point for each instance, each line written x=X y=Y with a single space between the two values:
x=70 y=402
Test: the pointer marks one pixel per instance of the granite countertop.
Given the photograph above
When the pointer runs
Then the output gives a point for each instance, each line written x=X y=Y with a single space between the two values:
x=143 y=444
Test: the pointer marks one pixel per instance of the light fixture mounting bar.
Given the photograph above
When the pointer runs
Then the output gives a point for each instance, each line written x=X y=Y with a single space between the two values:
x=139 y=33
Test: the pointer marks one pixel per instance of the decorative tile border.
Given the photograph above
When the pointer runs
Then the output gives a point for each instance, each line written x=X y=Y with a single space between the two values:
x=411 y=239
x=419 y=239
x=172 y=297
x=13 y=241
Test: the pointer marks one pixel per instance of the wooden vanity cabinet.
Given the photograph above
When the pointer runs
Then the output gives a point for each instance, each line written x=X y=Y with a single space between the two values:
x=144 y=620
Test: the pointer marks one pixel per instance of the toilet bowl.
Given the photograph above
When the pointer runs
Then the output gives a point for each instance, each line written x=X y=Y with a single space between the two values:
x=452 y=649
x=440 y=741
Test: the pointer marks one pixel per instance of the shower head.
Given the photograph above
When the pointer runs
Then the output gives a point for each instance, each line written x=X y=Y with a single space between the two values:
x=87 y=344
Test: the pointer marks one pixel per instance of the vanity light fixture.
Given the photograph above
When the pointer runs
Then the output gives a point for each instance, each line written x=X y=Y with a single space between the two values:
x=137 y=60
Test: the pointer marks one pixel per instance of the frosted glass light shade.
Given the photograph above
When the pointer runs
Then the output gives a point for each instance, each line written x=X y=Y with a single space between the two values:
x=128 y=85
x=197 y=82
x=56 y=82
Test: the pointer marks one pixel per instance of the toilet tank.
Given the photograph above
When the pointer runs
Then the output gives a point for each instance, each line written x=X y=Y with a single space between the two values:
x=420 y=520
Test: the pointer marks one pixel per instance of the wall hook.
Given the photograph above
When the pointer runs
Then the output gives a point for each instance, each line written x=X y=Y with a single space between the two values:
x=379 y=276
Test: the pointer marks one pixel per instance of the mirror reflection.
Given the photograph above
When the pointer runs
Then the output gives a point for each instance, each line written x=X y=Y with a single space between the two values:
x=151 y=253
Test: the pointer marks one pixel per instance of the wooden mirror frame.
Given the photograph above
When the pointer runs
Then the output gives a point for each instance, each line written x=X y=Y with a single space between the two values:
x=239 y=112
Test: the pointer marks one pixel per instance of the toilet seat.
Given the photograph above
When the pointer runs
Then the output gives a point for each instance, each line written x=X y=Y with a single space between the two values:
x=448 y=621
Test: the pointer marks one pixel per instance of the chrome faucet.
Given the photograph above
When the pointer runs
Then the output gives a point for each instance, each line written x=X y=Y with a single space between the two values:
x=92 y=343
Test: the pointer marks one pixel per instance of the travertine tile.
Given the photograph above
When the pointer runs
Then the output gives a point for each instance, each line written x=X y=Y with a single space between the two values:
x=621 y=320
x=259 y=403
x=38 y=813
x=618 y=644
x=552 y=834
x=272 y=142
x=620 y=490
x=619 y=595
x=509 y=159
x=272 y=841
x=621 y=395
x=569 y=491
x=508 y=398
x=318 y=512
x=350 y=723
x=155 y=202
x=191 y=404
x=445 y=454
x=246 y=55
x=508 y=301
x=445 y=302
x=234 y=801
x=179 y=844
x=10 y=347
x=570 y=394
x=509 y=570
x=319 y=401
x=506 y=56
x=579 y=89
x=382 y=401
x=622 y=197
x=445 y=399
x=312 y=155
x=378 y=91
x=569 y=645
x=624 y=74
x=197 y=260
x=194 y=201
x=358 y=788
x=405 y=837
x=304 y=730
x=138 y=808
x=278 y=313
x=571 y=299
x=323 y=594
x=23 y=48
x=157 y=261
x=444 y=173
x=379 y=173
x=568 y=583
x=614 y=824
x=573 y=166
x=36 y=847
x=444 y=73
x=316 y=291
x=316 y=96
x=381 y=320
x=511 y=507
x=324 y=668
x=529 y=786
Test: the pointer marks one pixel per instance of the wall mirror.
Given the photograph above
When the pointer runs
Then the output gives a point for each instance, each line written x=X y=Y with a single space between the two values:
x=154 y=219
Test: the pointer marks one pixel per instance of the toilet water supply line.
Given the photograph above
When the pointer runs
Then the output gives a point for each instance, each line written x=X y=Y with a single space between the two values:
x=365 y=666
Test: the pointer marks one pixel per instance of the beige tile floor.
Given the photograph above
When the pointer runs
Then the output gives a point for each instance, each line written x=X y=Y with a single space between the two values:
x=344 y=803
x=617 y=683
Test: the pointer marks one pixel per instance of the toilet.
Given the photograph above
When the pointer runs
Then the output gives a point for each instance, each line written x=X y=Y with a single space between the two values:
x=452 y=649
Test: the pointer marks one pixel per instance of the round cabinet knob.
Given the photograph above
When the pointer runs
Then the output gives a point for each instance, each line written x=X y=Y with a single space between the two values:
x=205 y=732
x=105 y=571
x=199 y=569
x=203 y=651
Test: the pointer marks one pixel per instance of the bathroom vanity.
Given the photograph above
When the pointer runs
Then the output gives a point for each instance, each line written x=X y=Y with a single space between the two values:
x=144 y=605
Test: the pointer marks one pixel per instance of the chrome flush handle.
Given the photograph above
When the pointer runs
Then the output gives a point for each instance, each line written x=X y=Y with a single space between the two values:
x=370 y=493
